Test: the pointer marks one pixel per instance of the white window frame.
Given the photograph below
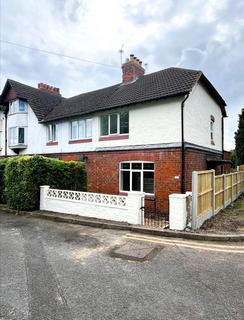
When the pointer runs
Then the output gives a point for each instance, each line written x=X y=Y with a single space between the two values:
x=141 y=174
x=14 y=106
x=118 y=125
x=85 y=121
x=16 y=137
x=50 y=137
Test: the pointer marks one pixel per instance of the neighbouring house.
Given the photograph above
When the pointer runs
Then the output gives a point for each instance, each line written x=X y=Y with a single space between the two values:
x=145 y=134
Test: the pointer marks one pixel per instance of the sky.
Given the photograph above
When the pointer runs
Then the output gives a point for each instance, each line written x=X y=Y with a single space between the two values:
x=205 y=35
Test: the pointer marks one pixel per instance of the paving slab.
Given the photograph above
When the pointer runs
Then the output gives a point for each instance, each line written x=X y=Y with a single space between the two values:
x=136 y=251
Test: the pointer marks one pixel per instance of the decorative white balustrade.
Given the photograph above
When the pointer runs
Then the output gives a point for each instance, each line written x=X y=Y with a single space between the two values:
x=87 y=197
x=97 y=205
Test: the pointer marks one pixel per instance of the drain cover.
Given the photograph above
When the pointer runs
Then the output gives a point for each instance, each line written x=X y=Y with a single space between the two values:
x=136 y=251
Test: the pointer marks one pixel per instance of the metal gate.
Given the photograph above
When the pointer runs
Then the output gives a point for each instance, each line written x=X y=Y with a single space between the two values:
x=153 y=217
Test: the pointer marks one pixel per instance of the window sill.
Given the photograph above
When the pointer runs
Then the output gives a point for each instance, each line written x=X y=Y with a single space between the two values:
x=52 y=143
x=80 y=141
x=17 y=146
x=116 y=137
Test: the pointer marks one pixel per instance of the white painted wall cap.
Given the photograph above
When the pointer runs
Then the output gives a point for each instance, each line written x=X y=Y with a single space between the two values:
x=177 y=195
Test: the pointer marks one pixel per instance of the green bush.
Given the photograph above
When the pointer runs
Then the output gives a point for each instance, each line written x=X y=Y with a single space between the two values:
x=25 y=174
x=2 y=180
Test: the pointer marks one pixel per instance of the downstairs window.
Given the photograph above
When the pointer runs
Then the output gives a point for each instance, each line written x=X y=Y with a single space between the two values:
x=137 y=176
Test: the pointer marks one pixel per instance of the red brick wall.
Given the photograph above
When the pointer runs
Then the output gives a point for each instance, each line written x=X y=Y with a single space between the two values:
x=195 y=160
x=11 y=95
x=227 y=167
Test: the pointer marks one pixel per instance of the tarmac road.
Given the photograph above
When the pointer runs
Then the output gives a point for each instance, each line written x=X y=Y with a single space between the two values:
x=56 y=271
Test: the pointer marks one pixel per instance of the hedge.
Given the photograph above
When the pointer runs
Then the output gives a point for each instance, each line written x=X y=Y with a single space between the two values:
x=2 y=180
x=23 y=176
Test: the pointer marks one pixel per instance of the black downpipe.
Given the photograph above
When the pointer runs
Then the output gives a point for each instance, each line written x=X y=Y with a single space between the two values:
x=183 y=147
x=223 y=154
x=6 y=137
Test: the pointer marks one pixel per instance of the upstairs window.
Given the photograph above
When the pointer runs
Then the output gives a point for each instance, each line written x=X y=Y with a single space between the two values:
x=52 y=132
x=17 y=106
x=137 y=176
x=212 y=126
x=114 y=124
x=16 y=136
x=81 y=129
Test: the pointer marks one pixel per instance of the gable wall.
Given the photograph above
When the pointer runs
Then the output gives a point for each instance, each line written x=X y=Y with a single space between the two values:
x=198 y=109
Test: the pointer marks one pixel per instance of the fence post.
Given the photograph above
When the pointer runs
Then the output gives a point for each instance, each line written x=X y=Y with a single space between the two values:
x=224 y=186
x=194 y=199
x=213 y=192
x=43 y=195
x=232 y=187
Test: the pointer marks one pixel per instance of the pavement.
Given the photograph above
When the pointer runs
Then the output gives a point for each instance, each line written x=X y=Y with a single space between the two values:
x=52 y=270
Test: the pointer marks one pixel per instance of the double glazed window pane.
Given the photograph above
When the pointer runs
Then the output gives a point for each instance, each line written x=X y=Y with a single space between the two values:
x=148 y=182
x=104 y=126
x=52 y=132
x=136 y=181
x=124 y=122
x=21 y=135
x=81 y=130
x=74 y=130
x=114 y=123
x=125 y=180
x=21 y=106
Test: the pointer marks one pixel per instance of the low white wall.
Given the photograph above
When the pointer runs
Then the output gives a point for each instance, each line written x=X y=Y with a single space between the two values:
x=95 y=205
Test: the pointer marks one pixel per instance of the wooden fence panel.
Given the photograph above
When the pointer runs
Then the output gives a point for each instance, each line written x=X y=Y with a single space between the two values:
x=228 y=188
x=211 y=193
x=219 y=192
x=205 y=190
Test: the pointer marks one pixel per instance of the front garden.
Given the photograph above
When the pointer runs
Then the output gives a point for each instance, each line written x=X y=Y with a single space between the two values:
x=228 y=220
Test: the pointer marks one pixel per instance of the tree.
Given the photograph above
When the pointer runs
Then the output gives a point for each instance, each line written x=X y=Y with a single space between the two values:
x=233 y=158
x=239 y=137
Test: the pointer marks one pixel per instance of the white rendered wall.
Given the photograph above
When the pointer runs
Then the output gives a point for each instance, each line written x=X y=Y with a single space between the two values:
x=155 y=123
x=198 y=109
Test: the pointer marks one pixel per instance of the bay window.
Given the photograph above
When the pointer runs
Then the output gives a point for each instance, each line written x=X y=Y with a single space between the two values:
x=81 y=129
x=16 y=136
x=137 y=176
x=114 y=124
x=17 y=106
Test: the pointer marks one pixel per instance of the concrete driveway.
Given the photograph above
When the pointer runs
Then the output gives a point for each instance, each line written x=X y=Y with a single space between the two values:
x=60 y=271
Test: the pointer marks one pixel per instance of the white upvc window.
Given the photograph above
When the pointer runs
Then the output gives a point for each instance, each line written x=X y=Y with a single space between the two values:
x=16 y=136
x=52 y=132
x=81 y=129
x=114 y=124
x=17 y=106
x=137 y=176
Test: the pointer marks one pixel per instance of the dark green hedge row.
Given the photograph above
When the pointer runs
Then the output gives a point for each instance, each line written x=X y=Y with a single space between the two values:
x=22 y=176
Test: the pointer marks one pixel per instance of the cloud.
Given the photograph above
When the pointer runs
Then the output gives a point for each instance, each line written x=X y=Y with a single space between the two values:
x=202 y=34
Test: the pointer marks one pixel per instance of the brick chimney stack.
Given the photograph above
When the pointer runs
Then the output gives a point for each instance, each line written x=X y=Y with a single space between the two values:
x=47 y=88
x=132 y=69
